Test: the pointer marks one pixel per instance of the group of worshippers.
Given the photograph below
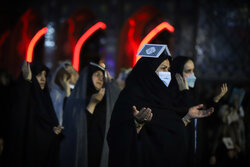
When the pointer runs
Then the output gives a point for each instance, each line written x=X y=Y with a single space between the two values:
x=86 y=120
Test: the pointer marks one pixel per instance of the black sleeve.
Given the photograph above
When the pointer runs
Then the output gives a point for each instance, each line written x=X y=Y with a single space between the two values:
x=90 y=118
x=17 y=121
x=21 y=98
x=22 y=93
x=64 y=102
x=184 y=100
x=211 y=103
x=96 y=120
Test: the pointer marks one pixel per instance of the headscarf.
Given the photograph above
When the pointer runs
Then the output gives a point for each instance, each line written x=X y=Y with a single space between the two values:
x=178 y=67
x=178 y=64
x=92 y=68
x=35 y=117
x=144 y=89
x=46 y=109
x=57 y=93
x=53 y=77
x=74 y=146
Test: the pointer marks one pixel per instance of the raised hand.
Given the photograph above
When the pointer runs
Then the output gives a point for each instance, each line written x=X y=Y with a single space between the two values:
x=26 y=71
x=182 y=83
x=223 y=91
x=65 y=84
x=95 y=99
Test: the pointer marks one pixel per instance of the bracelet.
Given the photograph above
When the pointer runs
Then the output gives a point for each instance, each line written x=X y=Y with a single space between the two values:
x=137 y=124
x=185 y=120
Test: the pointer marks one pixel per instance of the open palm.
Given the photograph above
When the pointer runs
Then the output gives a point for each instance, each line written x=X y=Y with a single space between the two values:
x=199 y=112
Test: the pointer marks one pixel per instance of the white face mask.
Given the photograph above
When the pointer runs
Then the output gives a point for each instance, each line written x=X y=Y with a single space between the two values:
x=165 y=77
x=191 y=80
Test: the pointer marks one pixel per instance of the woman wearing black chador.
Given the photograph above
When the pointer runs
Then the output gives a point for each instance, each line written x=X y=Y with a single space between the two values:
x=86 y=119
x=153 y=135
x=33 y=134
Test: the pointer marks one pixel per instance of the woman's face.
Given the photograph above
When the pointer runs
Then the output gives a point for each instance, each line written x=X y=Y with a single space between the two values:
x=97 y=79
x=188 y=68
x=41 y=78
x=163 y=67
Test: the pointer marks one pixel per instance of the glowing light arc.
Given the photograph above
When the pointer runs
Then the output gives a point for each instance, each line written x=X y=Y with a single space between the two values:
x=82 y=40
x=32 y=44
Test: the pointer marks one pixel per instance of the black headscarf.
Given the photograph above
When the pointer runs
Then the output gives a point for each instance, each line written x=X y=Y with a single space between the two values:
x=95 y=122
x=144 y=89
x=91 y=88
x=151 y=90
x=74 y=147
x=37 y=68
x=196 y=127
x=178 y=64
x=178 y=67
x=42 y=97
x=161 y=135
x=35 y=143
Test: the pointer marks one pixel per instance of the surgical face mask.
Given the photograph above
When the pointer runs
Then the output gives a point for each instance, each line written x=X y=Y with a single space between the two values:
x=191 y=80
x=165 y=77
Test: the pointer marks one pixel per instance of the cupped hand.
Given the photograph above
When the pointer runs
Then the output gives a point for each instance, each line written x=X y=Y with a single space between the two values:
x=144 y=115
x=199 y=112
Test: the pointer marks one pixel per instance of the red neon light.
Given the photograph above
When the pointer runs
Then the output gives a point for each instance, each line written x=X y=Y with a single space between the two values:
x=131 y=46
x=81 y=41
x=39 y=34
x=152 y=34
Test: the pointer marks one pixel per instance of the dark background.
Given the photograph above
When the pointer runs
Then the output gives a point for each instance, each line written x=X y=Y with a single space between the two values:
x=215 y=33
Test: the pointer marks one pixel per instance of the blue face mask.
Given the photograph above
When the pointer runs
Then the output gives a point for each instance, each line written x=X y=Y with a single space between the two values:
x=165 y=77
x=191 y=80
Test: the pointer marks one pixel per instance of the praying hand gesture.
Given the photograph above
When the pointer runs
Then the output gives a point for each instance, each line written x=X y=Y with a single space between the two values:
x=144 y=115
x=197 y=112
x=141 y=117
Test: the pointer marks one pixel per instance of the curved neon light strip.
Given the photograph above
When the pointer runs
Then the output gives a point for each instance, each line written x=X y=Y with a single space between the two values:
x=30 y=50
x=132 y=45
x=81 y=41
x=152 y=34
